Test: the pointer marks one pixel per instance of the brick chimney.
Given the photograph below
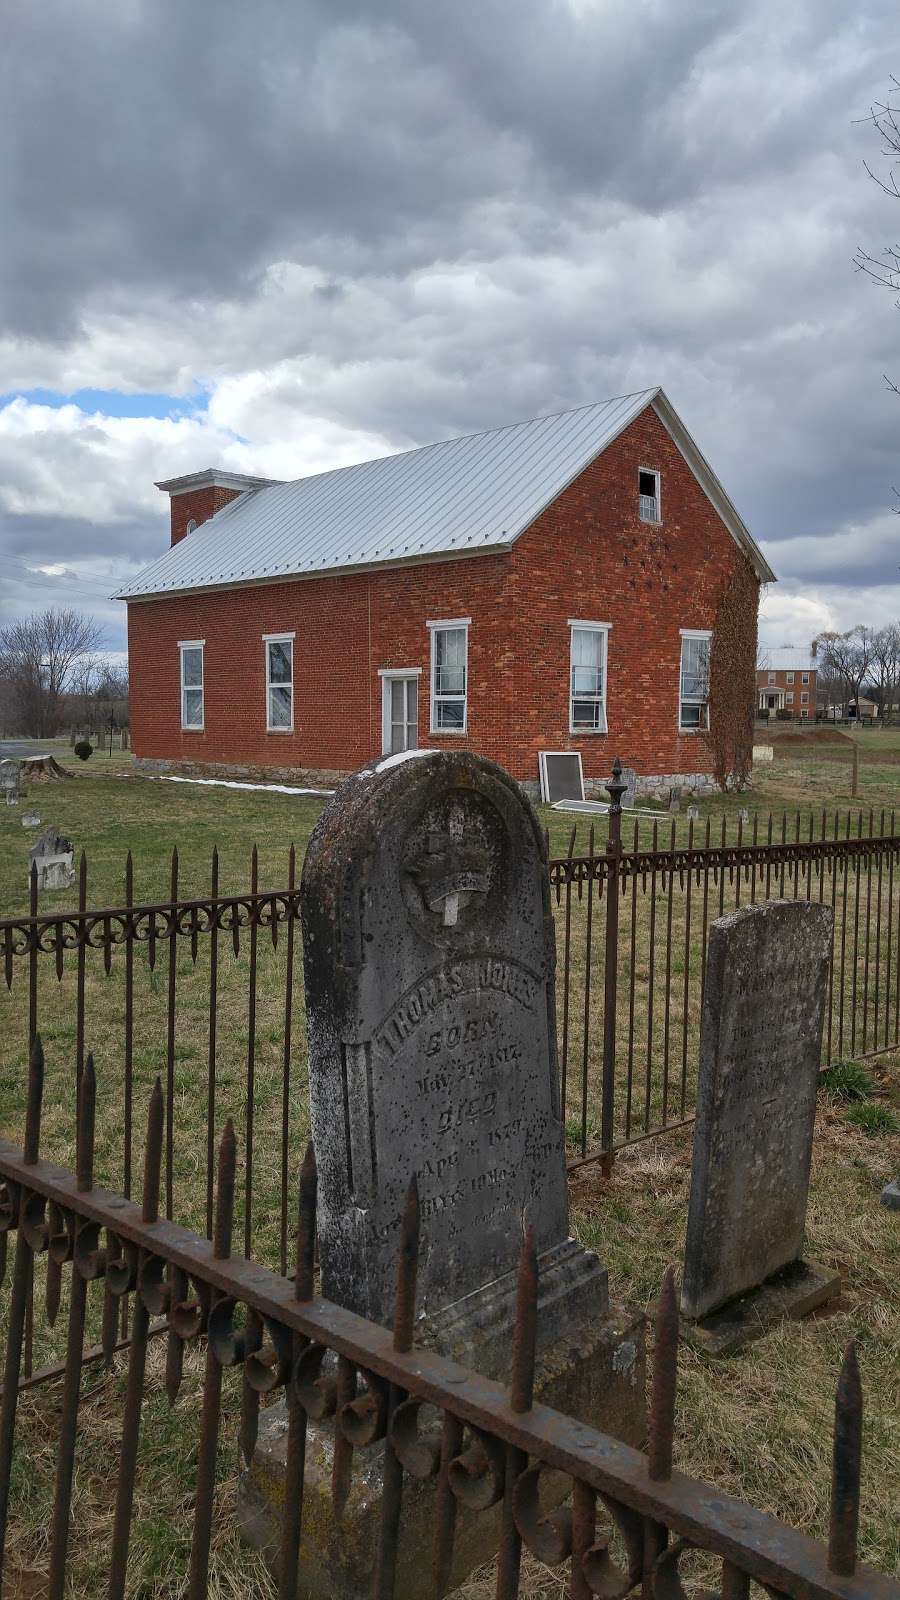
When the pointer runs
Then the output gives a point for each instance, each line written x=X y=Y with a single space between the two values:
x=199 y=495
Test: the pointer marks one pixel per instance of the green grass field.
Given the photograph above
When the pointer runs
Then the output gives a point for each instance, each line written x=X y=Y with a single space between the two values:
x=758 y=1425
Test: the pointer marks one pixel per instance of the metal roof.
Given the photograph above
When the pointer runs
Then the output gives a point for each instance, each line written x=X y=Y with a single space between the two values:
x=458 y=498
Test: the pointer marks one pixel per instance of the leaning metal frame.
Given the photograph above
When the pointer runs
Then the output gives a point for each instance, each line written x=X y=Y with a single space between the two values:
x=380 y=1384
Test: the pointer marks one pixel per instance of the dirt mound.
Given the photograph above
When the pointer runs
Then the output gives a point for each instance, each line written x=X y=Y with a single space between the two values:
x=802 y=741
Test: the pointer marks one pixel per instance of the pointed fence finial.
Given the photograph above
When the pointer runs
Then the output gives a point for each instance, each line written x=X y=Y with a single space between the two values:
x=616 y=786
x=846 y=1466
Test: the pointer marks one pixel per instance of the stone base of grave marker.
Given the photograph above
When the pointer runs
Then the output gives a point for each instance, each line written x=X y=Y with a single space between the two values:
x=890 y=1195
x=792 y=1293
x=595 y=1369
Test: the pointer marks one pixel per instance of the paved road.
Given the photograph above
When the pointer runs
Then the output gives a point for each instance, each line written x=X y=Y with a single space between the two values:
x=29 y=747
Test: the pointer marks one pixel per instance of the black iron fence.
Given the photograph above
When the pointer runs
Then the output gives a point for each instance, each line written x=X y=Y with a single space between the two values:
x=487 y=1446
x=206 y=991
x=632 y=962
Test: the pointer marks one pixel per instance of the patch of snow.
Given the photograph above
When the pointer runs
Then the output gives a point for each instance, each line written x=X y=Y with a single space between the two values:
x=398 y=759
x=231 y=783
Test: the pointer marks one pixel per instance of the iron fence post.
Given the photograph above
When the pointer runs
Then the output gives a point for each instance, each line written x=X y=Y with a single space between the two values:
x=615 y=788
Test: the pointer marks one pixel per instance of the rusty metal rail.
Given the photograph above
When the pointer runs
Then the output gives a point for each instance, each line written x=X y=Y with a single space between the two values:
x=492 y=1445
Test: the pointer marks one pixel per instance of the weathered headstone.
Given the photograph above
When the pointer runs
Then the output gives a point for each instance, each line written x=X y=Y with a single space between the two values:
x=31 y=819
x=693 y=813
x=763 y=1008
x=890 y=1195
x=430 y=994
x=53 y=856
x=11 y=781
x=629 y=778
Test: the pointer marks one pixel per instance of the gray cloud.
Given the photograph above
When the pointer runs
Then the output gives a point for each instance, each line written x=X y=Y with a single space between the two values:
x=364 y=227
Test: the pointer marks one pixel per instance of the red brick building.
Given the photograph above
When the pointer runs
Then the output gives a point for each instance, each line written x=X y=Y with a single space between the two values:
x=547 y=586
x=786 y=685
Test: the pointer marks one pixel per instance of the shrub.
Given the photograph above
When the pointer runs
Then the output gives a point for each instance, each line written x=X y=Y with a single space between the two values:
x=847 y=1080
x=83 y=749
x=874 y=1117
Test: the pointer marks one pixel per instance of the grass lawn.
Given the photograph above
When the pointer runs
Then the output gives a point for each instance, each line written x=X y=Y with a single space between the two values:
x=758 y=1425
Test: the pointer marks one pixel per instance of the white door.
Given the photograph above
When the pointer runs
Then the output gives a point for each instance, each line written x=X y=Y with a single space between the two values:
x=400 y=715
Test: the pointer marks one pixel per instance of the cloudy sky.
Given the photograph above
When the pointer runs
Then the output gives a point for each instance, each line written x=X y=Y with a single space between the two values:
x=278 y=238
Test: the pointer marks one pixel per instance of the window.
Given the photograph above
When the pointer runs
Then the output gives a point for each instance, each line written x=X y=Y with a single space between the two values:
x=587 y=677
x=789 y=676
x=648 y=495
x=789 y=699
x=449 y=674
x=771 y=678
x=279 y=682
x=804 y=699
x=804 y=713
x=804 y=677
x=190 y=527
x=693 y=708
x=192 y=684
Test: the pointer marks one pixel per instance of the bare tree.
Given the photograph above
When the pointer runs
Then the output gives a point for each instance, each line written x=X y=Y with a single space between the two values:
x=845 y=659
x=884 y=269
x=884 y=668
x=38 y=656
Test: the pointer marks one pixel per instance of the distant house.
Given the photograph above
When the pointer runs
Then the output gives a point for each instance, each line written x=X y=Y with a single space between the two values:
x=547 y=586
x=786 y=684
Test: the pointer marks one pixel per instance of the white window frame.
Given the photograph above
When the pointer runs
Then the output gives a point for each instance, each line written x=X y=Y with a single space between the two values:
x=804 y=677
x=789 y=698
x=789 y=677
x=651 y=472
x=804 y=699
x=448 y=625
x=193 y=644
x=269 y=639
x=576 y=625
x=692 y=633
x=771 y=677
x=387 y=676
x=191 y=527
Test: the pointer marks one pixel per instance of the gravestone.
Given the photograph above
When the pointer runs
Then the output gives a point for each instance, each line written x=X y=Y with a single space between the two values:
x=10 y=781
x=890 y=1195
x=629 y=778
x=53 y=856
x=693 y=813
x=429 y=961
x=760 y=1052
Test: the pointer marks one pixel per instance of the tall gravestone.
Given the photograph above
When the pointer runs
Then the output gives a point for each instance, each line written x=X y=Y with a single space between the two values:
x=429 y=960
x=760 y=1053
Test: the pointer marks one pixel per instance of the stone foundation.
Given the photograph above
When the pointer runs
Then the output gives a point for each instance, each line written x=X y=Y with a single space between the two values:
x=303 y=777
x=650 y=785
x=597 y=1374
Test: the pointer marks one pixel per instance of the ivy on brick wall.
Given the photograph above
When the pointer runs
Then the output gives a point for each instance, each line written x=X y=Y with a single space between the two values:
x=732 y=680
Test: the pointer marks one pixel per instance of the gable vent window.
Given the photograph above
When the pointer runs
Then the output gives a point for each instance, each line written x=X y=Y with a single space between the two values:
x=648 y=496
